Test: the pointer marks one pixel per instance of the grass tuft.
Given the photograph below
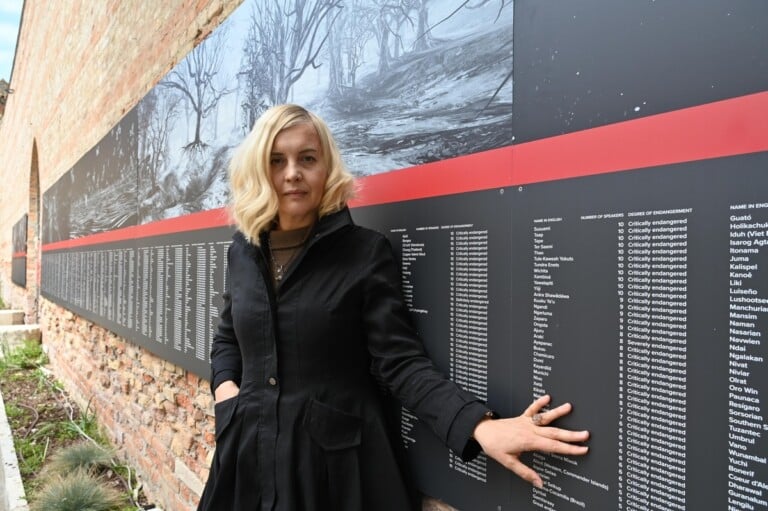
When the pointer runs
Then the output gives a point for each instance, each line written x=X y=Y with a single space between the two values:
x=85 y=456
x=29 y=355
x=77 y=491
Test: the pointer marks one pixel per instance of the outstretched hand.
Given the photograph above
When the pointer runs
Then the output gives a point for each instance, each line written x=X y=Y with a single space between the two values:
x=506 y=439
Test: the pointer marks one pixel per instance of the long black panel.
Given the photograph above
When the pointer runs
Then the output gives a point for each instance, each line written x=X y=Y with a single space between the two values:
x=637 y=296
x=162 y=292
x=454 y=254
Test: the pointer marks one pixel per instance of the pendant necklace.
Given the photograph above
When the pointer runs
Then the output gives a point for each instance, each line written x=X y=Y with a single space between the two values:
x=280 y=269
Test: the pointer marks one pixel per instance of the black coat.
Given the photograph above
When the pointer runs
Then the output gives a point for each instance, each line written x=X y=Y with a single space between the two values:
x=308 y=431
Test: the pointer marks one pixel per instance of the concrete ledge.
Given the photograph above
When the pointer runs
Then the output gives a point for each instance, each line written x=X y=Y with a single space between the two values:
x=12 y=497
x=11 y=317
x=12 y=336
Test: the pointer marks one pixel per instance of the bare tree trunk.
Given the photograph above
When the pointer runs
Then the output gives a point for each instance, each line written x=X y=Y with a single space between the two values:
x=195 y=79
x=198 y=123
x=335 y=62
x=383 y=45
x=423 y=36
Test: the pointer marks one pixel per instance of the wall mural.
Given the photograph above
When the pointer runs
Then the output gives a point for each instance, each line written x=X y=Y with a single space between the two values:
x=399 y=84
x=99 y=193
x=404 y=84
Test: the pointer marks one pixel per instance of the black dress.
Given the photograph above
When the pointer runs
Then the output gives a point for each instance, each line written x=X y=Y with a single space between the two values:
x=308 y=431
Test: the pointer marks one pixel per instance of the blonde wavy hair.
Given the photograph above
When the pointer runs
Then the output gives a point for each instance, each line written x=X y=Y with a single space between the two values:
x=253 y=200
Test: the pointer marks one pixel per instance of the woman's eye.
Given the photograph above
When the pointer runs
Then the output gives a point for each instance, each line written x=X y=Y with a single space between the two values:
x=275 y=161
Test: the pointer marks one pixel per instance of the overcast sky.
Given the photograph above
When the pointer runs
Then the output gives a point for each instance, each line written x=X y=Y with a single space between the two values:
x=10 y=12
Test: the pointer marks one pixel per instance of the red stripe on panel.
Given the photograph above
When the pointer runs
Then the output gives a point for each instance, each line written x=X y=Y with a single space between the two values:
x=723 y=128
x=470 y=173
x=192 y=222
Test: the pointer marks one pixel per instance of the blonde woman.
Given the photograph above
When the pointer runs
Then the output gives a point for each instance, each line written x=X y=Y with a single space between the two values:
x=312 y=318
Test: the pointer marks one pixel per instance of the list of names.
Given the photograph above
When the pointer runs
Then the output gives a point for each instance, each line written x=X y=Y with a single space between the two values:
x=748 y=305
x=163 y=294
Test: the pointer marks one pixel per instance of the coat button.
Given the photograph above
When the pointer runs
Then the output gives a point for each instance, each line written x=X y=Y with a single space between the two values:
x=272 y=381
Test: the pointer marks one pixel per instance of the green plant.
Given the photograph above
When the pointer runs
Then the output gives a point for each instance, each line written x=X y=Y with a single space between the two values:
x=29 y=355
x=86 y=424
x=57 y=430
x=76 y=491
x=85 y=456
x=12 y=411
x=4 y=353
x=32 y=453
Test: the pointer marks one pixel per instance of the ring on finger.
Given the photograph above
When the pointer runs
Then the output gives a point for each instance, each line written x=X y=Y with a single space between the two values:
x=537 y=419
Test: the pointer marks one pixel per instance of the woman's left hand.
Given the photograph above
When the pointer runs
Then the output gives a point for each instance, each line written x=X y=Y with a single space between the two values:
x=506 y=439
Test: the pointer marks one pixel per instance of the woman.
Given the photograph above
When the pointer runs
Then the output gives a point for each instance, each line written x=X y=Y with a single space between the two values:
x=313 y=317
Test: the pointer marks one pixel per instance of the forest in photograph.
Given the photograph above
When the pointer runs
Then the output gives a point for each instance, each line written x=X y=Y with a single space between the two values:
x=99 y=193
x=400 y=84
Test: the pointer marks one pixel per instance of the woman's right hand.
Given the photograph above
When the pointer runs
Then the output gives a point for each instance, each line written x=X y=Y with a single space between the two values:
x=506 y=439
x=226 y=390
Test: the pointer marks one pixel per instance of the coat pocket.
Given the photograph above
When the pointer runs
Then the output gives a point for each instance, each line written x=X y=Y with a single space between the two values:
x=332 y=429
x=338 y=434
x=223 y=413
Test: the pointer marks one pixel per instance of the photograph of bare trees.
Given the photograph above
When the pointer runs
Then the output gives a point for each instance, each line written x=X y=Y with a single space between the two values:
x=99 y=193
x=401 y=83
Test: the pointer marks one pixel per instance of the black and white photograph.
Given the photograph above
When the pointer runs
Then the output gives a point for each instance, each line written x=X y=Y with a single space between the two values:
x=19 y=255
x=399 y=83
x=99 y=193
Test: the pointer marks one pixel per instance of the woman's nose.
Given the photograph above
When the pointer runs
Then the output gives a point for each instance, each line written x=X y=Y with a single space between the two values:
x=292 y=171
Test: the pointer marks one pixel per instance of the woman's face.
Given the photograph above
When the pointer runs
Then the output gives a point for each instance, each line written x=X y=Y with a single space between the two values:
x=298 y=175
